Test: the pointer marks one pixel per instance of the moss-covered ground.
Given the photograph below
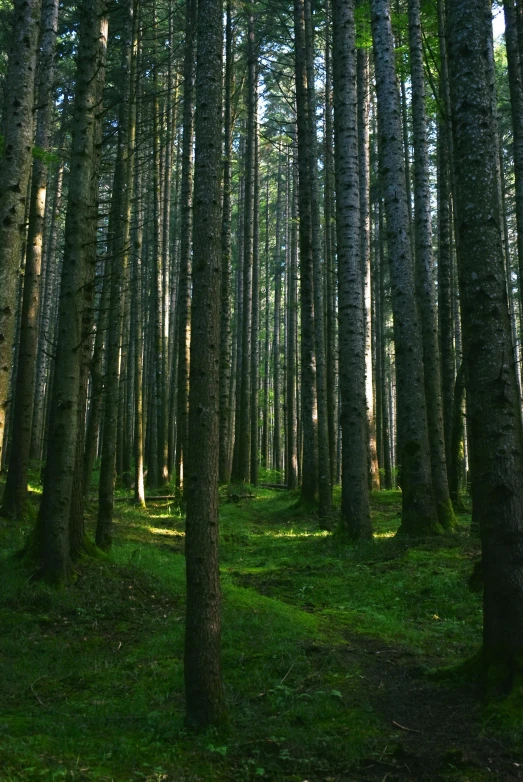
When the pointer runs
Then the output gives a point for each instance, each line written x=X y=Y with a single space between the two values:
x=326 y=648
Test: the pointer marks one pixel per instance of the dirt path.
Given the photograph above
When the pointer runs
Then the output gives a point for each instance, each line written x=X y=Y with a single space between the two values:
x=437 y=731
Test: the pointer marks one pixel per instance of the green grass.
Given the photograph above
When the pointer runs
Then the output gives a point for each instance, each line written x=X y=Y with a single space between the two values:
x=92 y=675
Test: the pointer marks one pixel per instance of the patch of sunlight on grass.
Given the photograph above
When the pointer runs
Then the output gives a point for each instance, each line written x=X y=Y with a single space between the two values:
x=160 y=531
x=384 y=534
x=292 y=534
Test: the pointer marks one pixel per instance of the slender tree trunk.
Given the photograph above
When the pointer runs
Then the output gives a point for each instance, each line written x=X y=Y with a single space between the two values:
x=291 y=461
x=445 y=314
x=15 y=168
x=121 y=221
x=355 y=510
x=225 y=329
x=244 y=441
x=309 y=476
x=184 y=289
x=324 y=466
x=387 y=442
x=276 y=447
x=137 y=294
x=50 y=295
x=419 y=511
x=364 y=173
x=203 y=684
x=424 y=273
x=97 y=379
x=255 y=323
x=266 y=349
x=330 y=270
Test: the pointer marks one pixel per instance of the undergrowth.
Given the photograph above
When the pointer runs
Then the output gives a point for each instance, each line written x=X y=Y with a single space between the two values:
x=92 y=675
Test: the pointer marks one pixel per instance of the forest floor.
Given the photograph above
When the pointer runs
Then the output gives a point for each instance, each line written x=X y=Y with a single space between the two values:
x=327 y=653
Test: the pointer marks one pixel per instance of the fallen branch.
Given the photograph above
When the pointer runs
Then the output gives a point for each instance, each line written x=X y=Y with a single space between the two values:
x=402 y=727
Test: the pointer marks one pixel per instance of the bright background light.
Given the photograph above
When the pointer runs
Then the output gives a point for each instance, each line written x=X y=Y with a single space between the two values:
x=498 y=23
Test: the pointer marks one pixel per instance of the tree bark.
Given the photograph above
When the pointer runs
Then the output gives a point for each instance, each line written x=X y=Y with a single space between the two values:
x=424 y=273
x=494 y=413
x=15 y=494
x=355 y=512
x=418 y=508
x=203 y=683
x=309 y=467
x=225 y=329
x=184 y=285
x=15 y=168
x=52 y=532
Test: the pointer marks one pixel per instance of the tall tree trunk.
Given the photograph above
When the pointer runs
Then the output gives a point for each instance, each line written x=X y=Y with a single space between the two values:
x=386 y=418
x=50 y=294
x=15 y=494
x=330 y=250
x=494 y=413
x=184 y=285
x=276 y=442
x=324 y=466
x=424 y=273
x=364 y=173
x=244 y=440
x=121 y=206
x=225 y=329
x=355 y=510
x=137 y=292
x=255 y=323
x=266 y=349
x=203 y=684
x=418 y=507
x=515 y=80
x=15 y=168
x=291 y=460
x=52 y=532
x=309 y=476
x=445 y=314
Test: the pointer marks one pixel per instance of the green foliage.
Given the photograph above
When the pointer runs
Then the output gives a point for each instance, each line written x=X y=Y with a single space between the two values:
x=45 y=155
x=92 y=676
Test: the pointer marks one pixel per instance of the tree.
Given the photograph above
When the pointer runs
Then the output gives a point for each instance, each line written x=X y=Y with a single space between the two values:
x=426 y=297
x=52 y=541
x=355 y=511
x=203 y=684
x=14 y=177
x=15 y=495
x=419 y=512
x=494 y=412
